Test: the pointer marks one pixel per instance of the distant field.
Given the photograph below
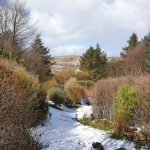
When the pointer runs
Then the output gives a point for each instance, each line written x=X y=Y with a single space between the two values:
x=65 y=62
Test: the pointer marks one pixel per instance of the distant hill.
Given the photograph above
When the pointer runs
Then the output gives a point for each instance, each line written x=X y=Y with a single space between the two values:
x=65 y=62
x=70 y=61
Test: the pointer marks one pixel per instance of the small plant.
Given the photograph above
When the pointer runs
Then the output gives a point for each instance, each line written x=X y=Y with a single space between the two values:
x=73 y=90
x=62 y=76
x=86 y=83
x=75 y=93
x=124 y=104
x=57 y=96
x=82 y=75
x=50 y=83
x=101 y=124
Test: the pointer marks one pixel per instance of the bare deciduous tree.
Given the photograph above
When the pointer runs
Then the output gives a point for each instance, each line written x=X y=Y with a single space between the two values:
x=15 y=26
x=135 y=59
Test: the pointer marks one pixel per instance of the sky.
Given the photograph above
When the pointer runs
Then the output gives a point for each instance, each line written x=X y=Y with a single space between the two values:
x=69 y=27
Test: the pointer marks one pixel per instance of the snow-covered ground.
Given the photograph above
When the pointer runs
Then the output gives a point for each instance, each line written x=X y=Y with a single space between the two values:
x=62 y=132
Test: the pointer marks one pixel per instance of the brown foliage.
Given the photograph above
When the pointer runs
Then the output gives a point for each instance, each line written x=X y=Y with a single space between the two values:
x=18 y=99
x=34 y=62
x=88 y=92
x=74 y=91
x=62 y=76
x=82 y=75
x=106 y=89
x=134 y=60
x=116 y=68
x=131 y=64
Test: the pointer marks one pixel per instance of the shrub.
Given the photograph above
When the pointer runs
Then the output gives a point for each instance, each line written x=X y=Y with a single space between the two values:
x=62 y=76
x=105 y=90
x=124 y=105
x=70 y=82
x=82 y=75
x=56 y=95
x=103 y=96
x=86 y=83
x=101 y=124
x=48 y=85
x=73 y=90
x=135 y=60
x=116 y=68
x=75 y=93
x=18 y=106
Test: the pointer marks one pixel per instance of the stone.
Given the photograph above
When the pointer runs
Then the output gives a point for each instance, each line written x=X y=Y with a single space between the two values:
x=98 y=146
x=42 y=124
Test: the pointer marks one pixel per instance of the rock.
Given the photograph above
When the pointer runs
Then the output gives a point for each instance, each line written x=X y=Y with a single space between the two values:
x=138 y=145
x=121 y=148
x=98 y=146
x=42 y=124
x=45 y=146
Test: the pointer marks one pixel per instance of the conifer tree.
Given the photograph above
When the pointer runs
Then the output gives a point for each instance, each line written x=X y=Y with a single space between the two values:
x=40 y=59
x=94 y=61
x=147 y=53
x=132 y=42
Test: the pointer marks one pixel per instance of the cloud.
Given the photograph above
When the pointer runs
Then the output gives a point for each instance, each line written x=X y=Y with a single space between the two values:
x=68 y=50
x=81 y=23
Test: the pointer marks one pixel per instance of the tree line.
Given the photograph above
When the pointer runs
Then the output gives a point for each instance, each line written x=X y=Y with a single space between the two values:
x=134 y=59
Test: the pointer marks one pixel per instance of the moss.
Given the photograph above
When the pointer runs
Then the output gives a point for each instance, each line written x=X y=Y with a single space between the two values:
x=86 y=83
x=98 y=124
x=72 y=105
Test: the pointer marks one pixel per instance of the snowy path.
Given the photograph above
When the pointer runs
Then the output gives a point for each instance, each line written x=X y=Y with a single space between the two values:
x=63 y=133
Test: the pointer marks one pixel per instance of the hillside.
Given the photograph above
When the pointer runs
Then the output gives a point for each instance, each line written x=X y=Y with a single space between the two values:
x=65 y=62
x=70 y=61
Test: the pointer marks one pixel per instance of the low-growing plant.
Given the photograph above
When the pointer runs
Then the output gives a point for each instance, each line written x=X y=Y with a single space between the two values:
x=101 y=124
x=75 y=92
x=70 y=82
x=62 y=76
x=82 y=75
x=124 y=105
x=106 y=89
x=56 y=95
x=49 y=84
x=86 y=83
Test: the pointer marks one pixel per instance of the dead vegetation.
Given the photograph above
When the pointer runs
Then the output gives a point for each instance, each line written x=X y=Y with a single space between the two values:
x=19 y=105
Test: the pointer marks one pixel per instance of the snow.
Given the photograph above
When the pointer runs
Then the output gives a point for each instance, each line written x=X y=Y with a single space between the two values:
x=62 y=132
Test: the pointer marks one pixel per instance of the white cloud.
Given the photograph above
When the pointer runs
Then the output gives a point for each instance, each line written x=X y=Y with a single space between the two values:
x=85 y=22
x=68 y=50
